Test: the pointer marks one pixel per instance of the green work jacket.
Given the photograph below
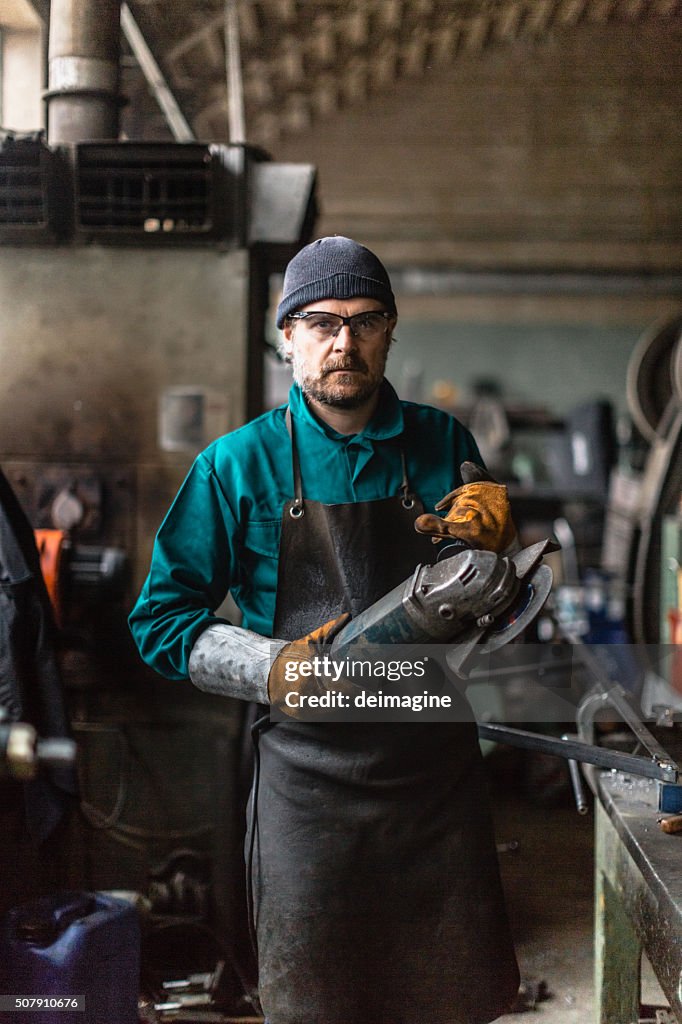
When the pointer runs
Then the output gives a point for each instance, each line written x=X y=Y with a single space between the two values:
x=222 y=531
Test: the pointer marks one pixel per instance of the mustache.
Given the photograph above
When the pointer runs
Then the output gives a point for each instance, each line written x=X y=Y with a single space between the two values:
x=350 y=362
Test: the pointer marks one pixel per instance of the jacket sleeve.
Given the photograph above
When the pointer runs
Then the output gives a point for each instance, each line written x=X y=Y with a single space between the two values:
x=192 y=569
x=469 y=449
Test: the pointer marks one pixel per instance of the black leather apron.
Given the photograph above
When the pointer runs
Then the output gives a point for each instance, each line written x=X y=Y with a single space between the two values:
x=375 y=880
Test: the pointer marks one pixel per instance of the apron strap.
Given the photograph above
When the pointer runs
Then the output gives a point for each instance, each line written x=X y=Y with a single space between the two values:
x=298 y=509
x=407 y=499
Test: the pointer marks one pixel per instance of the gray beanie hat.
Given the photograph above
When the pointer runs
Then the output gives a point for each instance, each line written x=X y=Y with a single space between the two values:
x=334 y=268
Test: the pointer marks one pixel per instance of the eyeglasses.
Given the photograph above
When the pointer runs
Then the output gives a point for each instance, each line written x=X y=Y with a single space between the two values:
x=324 y=326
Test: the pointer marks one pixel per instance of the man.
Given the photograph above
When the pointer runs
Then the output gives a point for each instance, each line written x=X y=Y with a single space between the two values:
x=373 y=868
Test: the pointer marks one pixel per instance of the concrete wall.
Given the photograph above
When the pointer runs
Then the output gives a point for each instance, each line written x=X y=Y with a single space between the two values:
x=554 y=366
x=551 y=351
x=90 y=340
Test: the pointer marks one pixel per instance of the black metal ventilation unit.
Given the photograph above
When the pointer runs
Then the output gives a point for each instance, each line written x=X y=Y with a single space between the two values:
x=154 y=193
x=29 y=189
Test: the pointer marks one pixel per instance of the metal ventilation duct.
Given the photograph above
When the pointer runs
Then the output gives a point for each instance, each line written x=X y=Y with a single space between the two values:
x=83 y=70
x=156 y=193
x=28 y=181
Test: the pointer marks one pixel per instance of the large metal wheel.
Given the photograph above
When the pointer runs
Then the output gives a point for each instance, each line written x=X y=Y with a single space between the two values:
x=654 y=377
x=676 y=371
x=654 y=392
x=662 y=488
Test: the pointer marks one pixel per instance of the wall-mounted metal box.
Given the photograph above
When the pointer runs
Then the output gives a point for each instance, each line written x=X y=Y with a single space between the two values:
x=31 y=191
x=154 y=193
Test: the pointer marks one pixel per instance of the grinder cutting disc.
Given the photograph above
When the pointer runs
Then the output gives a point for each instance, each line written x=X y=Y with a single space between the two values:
x=526 y=606
x=535 y=584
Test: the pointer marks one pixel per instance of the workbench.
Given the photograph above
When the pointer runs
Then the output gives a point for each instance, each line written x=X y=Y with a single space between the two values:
x=638 y=898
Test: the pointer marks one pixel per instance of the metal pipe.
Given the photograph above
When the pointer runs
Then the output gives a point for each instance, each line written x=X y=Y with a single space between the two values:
x=577 y=785
x=83 y=70
x=175 y=119
x=553 y=282
x=576 y=779
x=233 y=68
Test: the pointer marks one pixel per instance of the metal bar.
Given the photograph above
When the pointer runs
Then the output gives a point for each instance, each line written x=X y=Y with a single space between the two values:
x=576 y=750
x=156 y=81
x=615 y=695
x=589 y=705
x=561 y=281
x=576 y=779
x=577 y=784
x=208 y=27
x=233 y=69
x=620 y=700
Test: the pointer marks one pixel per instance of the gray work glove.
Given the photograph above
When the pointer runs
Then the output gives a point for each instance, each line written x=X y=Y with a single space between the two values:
x=233 y=662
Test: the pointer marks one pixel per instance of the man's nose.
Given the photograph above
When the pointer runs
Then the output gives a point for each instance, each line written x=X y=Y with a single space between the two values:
x=345 y=340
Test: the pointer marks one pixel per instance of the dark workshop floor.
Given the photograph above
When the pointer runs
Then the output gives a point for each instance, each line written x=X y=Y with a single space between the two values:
x=548 y=880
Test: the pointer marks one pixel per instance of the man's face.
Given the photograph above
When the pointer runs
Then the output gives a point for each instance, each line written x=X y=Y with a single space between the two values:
x=344 y=371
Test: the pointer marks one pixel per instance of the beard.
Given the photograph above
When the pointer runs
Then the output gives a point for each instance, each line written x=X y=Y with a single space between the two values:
x=341 y=390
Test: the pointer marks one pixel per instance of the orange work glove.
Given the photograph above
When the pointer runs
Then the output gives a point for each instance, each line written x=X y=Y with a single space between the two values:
x=291 y=670
x=478 y=513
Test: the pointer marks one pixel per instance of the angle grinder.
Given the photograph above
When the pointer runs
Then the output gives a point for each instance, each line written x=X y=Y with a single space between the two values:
x=473 y=599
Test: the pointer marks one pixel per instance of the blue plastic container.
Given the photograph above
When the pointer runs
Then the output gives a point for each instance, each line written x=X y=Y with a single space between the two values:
x=69 y=944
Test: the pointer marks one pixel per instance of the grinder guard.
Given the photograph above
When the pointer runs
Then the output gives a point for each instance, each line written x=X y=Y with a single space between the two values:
x=474 y=599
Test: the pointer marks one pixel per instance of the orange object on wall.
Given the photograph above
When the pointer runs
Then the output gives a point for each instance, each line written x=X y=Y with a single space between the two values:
x=51 y=544
x=675 y=627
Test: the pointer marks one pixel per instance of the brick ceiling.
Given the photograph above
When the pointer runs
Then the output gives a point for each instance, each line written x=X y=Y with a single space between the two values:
x=304 y=60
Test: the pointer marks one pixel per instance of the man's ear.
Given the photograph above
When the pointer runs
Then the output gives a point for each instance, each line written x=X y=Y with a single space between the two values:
x=287 y=341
